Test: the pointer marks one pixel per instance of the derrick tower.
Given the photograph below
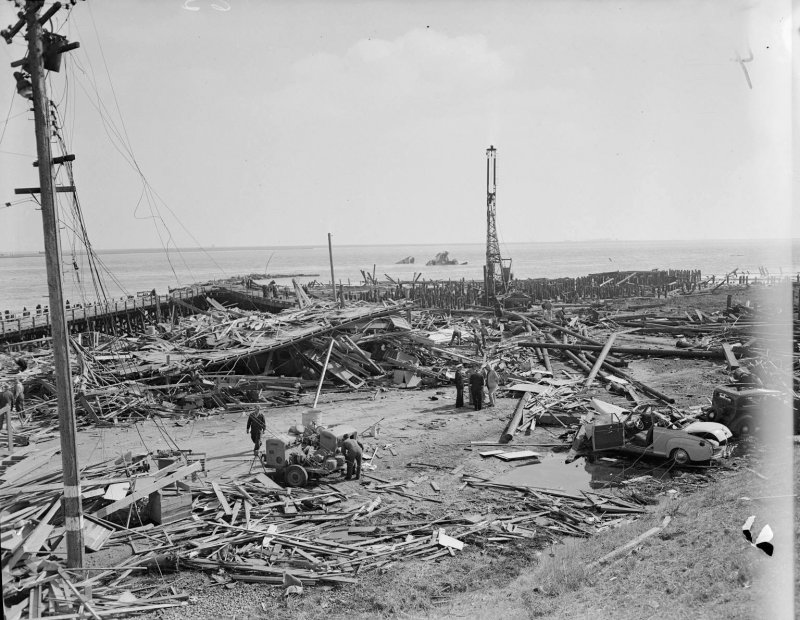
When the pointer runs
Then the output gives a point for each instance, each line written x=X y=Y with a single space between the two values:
x=497 y=271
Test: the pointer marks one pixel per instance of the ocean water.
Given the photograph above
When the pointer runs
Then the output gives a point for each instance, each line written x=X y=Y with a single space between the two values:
x=24 y=282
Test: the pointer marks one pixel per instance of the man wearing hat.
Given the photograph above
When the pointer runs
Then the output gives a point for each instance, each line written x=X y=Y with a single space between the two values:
x=476 y=389
x=459 y=380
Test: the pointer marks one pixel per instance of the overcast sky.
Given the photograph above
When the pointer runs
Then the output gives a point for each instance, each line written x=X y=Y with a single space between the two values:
x=278 y=122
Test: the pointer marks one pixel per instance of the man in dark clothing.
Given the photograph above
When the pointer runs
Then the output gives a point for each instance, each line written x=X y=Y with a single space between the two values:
x=353 y=451
x=498 y=308
x=476 y=389
x=459 y=387
x=255 y=426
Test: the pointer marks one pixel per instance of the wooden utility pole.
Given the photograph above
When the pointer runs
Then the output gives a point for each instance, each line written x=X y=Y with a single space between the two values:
x=73 y=511
x=333 y=277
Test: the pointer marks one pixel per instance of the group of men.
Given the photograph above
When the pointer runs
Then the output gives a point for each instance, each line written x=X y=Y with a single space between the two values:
x=478 y=377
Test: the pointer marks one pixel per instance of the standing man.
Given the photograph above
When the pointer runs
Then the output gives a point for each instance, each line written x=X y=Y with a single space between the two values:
x=256 y=426
x=484 y=332
x=353 y=452
x=548 y=310
x=476 y=389
x=6 y=403
x=459 y=387
x=477 y=335
x=492 y=381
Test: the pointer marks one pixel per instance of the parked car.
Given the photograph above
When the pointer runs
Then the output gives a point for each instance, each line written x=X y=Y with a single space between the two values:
x=639 y=435
x=743 y=410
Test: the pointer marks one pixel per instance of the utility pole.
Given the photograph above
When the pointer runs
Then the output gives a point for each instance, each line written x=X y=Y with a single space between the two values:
x=34 y=64
x=493 y=261
x=333 y=278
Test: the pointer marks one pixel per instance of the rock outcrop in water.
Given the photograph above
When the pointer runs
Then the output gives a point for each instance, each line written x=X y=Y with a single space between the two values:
x=408 y=260
x=443 y=258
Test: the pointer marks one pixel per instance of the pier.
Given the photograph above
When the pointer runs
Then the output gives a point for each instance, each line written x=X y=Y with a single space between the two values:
x=135 y=313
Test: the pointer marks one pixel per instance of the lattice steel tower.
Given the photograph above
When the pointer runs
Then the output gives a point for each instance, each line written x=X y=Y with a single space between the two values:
x=496 y=273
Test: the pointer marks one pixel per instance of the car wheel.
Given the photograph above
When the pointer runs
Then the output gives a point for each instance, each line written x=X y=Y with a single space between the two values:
x=296 y=476
x=746 y=426
x=679 y=456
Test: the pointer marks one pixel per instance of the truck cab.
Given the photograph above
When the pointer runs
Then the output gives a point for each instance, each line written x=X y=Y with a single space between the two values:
x=743 y=411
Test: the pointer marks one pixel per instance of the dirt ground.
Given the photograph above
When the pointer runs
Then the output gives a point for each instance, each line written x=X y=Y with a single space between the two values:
x=416 y=426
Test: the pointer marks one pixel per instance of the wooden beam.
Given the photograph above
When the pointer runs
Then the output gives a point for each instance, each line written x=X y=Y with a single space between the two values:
x=730 y=356
x=600 y=359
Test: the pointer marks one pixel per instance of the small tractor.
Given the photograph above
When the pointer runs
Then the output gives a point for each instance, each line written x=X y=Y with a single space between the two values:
x=316 y=454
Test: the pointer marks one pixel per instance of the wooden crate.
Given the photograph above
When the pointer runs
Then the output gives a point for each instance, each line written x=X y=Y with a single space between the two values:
x=168 y=506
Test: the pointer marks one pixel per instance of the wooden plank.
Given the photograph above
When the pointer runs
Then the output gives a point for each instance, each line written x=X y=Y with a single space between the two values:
x=146 y=490
x=34 y=461
x=36 y=538
x=514 y=456
x=268 y=482
x=635 y=542
x=435 y=486
x=95 y=535
x=237 y=505
x=117 y=491
x=223 y=502
x=491 y=453
x=730 y=356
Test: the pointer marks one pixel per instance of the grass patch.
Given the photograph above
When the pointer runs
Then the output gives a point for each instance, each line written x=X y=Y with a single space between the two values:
x=700 y=566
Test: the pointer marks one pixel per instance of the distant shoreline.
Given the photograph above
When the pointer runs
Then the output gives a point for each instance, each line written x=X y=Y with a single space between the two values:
x=34 y=254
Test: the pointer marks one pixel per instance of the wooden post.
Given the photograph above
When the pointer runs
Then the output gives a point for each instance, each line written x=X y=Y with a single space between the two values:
x=333 y=277
x=73 y=512
x=600 y=359
x=322 y=376
x=513 y=423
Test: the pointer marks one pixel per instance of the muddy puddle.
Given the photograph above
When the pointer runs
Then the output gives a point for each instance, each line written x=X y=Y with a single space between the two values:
x=552 y=472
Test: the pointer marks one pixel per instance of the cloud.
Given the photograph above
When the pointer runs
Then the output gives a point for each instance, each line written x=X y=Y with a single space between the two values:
x=421 y=70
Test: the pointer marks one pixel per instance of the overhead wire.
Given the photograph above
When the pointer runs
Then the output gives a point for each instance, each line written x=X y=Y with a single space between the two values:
x=149 y=192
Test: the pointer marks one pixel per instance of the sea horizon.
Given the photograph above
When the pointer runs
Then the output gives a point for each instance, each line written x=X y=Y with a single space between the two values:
x=127 y=272
x=33 y=253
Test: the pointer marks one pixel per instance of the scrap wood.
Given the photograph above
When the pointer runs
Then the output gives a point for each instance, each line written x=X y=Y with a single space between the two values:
x=145 y=490
x=620 y=551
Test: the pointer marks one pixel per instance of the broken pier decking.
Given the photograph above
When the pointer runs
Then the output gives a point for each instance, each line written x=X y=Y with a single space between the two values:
x=137 y=312
x=463 y=294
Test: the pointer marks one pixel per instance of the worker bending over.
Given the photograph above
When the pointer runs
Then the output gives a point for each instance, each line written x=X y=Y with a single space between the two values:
x=256 y=426
x=353 y=451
